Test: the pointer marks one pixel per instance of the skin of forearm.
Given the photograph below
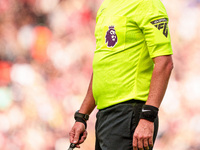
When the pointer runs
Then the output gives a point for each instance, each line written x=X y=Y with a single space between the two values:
x=88 y=104
x=159 y=81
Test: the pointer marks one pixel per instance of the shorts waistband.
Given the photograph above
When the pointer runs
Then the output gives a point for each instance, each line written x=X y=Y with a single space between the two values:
x=132 y=101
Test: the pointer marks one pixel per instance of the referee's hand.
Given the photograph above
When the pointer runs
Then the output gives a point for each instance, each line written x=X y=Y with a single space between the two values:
x=143 y=135
x=76 y=131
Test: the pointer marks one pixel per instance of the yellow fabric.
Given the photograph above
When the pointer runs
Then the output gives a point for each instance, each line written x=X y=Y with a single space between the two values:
x=129 y=33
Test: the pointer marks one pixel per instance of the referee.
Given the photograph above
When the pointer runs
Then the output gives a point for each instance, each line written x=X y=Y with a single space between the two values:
x=131 y=68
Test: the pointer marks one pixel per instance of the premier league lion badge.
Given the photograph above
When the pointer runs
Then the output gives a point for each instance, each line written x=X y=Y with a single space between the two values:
x=111 y=37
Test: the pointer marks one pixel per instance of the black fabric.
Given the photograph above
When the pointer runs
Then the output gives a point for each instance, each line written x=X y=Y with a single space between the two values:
x=81 y=120
x=115 y=126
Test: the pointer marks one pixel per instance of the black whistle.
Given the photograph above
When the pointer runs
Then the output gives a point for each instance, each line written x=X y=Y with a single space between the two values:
x=72 y=145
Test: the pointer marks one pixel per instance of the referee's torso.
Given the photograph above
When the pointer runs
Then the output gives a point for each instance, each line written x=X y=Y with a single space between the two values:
x=128 y=35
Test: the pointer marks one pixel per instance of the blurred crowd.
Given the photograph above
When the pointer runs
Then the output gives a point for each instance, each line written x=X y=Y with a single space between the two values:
x=46 y=52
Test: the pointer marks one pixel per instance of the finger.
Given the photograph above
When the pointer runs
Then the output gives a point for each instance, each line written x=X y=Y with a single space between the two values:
x=83 y=137
x=146 y=148
x=140 y=143
x=146 y=143
x=151 y=142
x=78 y=146
x=71 y=135
x=135 y=141
x=76 y=138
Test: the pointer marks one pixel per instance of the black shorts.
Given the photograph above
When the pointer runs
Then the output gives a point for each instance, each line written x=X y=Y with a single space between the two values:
x=115 y=126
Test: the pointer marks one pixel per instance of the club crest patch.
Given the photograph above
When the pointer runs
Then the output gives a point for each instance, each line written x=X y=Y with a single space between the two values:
x=111 y=37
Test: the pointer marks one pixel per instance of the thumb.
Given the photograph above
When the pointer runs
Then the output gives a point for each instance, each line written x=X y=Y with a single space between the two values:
x=76 y=137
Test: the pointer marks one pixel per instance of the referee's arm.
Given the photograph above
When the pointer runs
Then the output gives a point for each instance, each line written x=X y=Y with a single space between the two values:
x=160 y=78
x=86 y=108
x=143 y=135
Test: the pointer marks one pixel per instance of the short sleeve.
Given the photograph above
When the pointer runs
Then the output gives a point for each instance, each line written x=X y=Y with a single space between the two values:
x=153 y=21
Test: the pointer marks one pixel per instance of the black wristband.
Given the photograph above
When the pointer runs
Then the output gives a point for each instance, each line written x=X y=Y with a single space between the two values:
x=149 y=113
x=80 y=115
x=82 y=121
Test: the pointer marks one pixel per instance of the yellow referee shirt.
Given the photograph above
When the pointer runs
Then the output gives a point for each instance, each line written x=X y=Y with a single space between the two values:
x=129 y=33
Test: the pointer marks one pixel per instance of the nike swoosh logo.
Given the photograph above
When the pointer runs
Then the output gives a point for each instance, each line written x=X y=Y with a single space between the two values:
x=145 y=110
